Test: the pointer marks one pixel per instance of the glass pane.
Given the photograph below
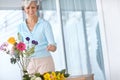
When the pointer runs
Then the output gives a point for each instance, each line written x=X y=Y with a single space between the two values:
x=8 y=23
x=9 y=20
x=94 y=44
x=74 y=42
x=82 y=38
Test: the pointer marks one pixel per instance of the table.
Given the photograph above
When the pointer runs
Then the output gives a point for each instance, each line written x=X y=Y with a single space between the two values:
x=82 y=77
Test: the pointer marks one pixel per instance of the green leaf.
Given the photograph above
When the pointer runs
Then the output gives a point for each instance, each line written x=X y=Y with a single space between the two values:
x=26 y=77
x=19 y=36
x=30 y=51
x=63 y=71
x=13 y=60
x=37 y=74
x=25 y=71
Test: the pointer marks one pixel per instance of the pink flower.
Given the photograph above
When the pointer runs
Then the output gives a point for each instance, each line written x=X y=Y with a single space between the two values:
x=4 y=46
x=21 y=46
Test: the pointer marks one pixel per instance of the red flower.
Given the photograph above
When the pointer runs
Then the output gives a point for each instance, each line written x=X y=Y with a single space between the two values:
x=21 y=46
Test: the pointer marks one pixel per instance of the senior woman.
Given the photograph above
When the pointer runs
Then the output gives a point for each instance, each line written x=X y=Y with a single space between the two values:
x=40 y=30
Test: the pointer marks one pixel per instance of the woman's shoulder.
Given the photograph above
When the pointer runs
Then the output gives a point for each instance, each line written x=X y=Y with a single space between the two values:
x=42 y=20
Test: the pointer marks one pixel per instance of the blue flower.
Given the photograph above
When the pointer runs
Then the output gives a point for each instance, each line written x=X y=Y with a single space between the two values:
x=27 y=38
x=34 y=42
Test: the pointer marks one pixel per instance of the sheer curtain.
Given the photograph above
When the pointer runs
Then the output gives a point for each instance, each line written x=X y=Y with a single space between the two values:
x=82 y=38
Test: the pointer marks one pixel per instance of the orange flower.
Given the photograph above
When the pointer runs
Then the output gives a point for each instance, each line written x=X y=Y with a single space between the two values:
x=11 y=40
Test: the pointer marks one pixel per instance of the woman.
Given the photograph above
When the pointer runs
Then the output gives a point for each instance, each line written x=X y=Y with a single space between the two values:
x=40 y=30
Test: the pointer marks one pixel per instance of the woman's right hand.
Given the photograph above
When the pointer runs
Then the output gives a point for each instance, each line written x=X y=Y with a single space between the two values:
x=51 y=48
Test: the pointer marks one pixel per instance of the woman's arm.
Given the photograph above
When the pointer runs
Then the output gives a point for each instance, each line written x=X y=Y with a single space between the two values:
x=50 y=38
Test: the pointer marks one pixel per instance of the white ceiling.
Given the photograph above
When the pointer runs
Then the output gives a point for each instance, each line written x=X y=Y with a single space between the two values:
x=8 y=4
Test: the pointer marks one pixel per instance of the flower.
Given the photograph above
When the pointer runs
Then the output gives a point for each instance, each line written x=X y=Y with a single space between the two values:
x=38 y=78
x=27 y=38
x=21 y=46
x=34 y=42
x=3 y=47
x=56 y=75
x=22 y=51
x=11 y=40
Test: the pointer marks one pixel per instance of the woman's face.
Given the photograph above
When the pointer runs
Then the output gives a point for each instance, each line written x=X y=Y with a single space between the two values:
x=31 y=10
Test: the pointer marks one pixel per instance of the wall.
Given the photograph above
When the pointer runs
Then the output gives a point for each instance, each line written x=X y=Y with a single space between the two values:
x=109 y=16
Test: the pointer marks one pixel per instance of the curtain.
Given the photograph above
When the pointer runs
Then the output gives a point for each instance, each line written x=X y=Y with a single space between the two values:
x=82 y=38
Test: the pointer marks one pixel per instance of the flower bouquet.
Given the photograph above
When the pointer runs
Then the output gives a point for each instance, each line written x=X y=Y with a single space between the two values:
x=21 y=53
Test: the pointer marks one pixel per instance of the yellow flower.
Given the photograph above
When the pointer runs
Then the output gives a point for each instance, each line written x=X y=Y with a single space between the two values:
x=53 y=74
x=62 y=77
x=11 y=40
x=58 y=76
x=46 y=75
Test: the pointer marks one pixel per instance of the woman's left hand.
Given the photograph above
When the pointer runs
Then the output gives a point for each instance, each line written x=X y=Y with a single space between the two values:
x=51 y=48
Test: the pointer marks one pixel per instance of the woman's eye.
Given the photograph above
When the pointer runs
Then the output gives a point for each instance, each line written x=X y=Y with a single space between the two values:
x=27 y=7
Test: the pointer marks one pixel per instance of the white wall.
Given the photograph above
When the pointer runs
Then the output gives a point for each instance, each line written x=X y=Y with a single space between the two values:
x=109 y=15
x=8 y=71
